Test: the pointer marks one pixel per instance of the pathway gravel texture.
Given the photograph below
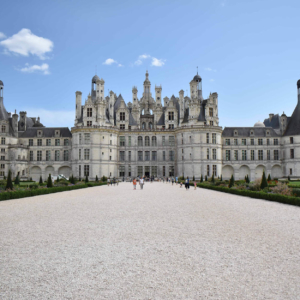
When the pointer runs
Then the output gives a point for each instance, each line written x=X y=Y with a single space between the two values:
x=162 y=242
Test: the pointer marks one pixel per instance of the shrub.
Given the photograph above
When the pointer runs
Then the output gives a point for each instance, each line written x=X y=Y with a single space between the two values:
x=96 y=178
x=9 y=184
x=264 y=182
x=231 y=182
x=103 y=178
x=86 y=179
x=255 y=186
x=289 y=178
x=17 y=180
x=41 y=180
x=205 y=177
x=193 y=177
x=269 y=177
x=213 y=178
x=248 y=180
x=57 y=180
x=282 y=189
x=201 y=179
x=49 y=182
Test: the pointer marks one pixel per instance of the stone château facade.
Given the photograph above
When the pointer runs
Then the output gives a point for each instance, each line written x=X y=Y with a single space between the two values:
x=179 y=136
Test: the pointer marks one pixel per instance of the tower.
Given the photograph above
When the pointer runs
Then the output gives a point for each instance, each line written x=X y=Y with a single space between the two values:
x=134 y=96
x=147 y=94
x=94 y=87
x=158 y=95
x=100 y=89
x=181 y=105
x=1 y=89
x=298 y=90
x=78 y=105
x=23 y=120
x=196 y=88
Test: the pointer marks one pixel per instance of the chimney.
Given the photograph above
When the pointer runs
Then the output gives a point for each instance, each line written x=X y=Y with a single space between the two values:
x=271 y=116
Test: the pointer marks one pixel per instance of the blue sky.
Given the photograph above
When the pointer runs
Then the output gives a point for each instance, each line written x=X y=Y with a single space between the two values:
x=246 y=51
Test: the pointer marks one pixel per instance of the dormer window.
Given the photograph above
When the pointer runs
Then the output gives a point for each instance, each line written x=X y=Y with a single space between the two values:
x=39 y=132
x=236 y=133
x=251 y=132
x=57 y=133
x=268 y=132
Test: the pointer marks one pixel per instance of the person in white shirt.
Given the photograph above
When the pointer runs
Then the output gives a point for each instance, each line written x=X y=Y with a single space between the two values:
x=141 y=182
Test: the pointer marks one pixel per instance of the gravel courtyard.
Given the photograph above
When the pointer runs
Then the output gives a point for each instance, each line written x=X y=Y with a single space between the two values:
x=162 y=242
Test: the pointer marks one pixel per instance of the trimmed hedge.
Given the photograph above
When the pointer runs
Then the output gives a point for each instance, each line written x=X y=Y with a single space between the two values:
x=258 y=195
x=44 y=191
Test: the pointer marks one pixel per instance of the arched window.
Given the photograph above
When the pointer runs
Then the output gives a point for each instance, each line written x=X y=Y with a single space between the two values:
x=147 y=141
x=143 y=125
x=150 y=125
x=154 y=141
x=140 y=141
x=143 y=112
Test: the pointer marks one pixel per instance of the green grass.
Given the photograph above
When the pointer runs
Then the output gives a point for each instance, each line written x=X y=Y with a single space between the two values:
x=294 y=184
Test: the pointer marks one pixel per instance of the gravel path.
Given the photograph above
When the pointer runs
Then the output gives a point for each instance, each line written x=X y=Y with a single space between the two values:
x=162 y=242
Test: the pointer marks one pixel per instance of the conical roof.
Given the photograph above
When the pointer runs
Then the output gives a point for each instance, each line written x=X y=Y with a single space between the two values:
x=293 y=127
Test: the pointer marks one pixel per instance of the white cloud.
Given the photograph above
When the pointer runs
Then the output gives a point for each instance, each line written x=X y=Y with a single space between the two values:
x=2 y=36
x=44 y=68
x=120 y=65
x=25 y=42
x=157 y=62
x=210 y=70
x=140 y=59
x=110 y=61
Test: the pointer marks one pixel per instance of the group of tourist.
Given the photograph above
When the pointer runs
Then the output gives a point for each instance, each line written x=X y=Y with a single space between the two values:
x=112 y=181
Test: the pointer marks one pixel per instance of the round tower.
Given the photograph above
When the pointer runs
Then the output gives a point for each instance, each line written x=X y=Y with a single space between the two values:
x=298 y=90
x=94 y=87
x=1 y=88
x=196 y=87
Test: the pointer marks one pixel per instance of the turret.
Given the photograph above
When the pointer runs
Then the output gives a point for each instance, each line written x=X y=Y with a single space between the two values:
x=23 y=121
x=196 y=87
x=15 y=117
x=283 y=123
x=78 y=105
x=158 y=90
x=134 y=95
x=181 y=105
x=111 y=105
x=147 y=87
x=1 y=89
x=298 y=90
x=166 y=101
x=94 y=87
x=100 y=89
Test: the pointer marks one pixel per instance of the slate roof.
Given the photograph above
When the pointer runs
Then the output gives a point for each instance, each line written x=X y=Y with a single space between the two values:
x=132 y=121
x=245 y=132
x=186 y=115
x=161 y=120
x=1 y=82
x=202 y=111
x=47 y=132
x=274 y=123
x=293 y=127
x=3 y=112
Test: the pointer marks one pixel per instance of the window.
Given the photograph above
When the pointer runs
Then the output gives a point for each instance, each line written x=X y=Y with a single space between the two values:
x=171 y=141
x=211 y=112
x=129 y=155
x=79 y=154
x=227 y=155
x=140 y=141
x=80 y=139
x=215 y=170
x=154 y=141
x=260 y=142
x=144 y=125
x=235 y=142
x=31 y=155
x=154 y=171
x=211 y=123
x=110 y=142
x=122 y=155
x=214 y=153
x=30 y=142
x=227 y=142
x=122 y=171
x=48 y=142
x=66 y=142
x=89 y=123
x=122 y=126
x=89 y=112
x=154 y=155
x=244 y=142
x=260 y=155
x=122 y=116
x=275 y=141
x=150 y=125
x=2 y=150
x=214 y=138
x=236 y=155
x=140 y=155
x=164 y=155
x=2 y=166
x=207 y=153
x=66 y=155
x=110 y=158
x=57 y=142
x=171 y=115
x=252 y=155
x=291 y=153
x=268 y=155
x=39 y=156
x=129 y=170
x=122 y=141
x=291 y=171
x=3 y=141
x=171 y=126
x=2 y=157
x=48 y=155
x=86 y=170
x=268 y=142
x=207 y=138
x=3 y=128
x=129 y=141
x=164 y=171
x=252 y=142
x=276 y=155
x=56 y=155
x=39 y=142
x=87 y=138
x=244 y=154
x=171 y=155
x=147 y=155
x=147 y=141
x=291 y=140
x=140 y=171
x=79 y=171
x=86 y=154
x=207 y=170
x=163 y=140
x=171 y=170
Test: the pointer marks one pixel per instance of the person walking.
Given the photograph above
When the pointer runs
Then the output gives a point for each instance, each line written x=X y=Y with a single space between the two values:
x=172 y=180
x=108 y=181
x=176 y=179
x=188 y=183
x=195 y=185
x=134 y=184
x=141 y=183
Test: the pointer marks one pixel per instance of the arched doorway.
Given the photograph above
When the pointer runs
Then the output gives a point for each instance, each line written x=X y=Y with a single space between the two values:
x=35 y=173
x=49 y=170
x=244 y=171
x=227 y=172
x=276 y=172
x=259 y=171
x=66 y=171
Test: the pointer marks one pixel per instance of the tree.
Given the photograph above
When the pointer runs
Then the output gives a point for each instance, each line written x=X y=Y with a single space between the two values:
x=264 y=182
x=86 y=179
x=9 y=184
x=231 y=182
x=289 y=178
x=96 y=178
x=221 y=178
x=269 y=177
x=17 y=180
x=213 y=178
x=201 y=179
x=49 y=182
x=205 y=177
x=247 y=179
x=193 y=177
x=57 y=180
x=41 y=180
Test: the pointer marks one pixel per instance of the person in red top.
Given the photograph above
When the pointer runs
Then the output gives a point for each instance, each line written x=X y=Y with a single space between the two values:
x=134 y=184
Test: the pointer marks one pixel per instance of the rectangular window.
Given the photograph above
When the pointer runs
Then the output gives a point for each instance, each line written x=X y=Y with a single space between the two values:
x=2 y=166
x=140 y=141
x=211 y=123
x=244 y=142
x=164 y=155
x=275 y=141
x=129 y=155
x=2 y=157
x=89 y=123
x=129 y=171
x=235 y=142
x=122 y=126
x=129 y=141
x=110 y=142
x=79 y=171
x=154 y=144
x=291 y=140
x=86 y=154
x=147 y=141
x=48 y=155
x=268 y=142
x=48 y=142
x=171 y=155
x=211 y=112
x=244 y=154
x=122 y=155
x=66 y=155
x=236 y=155
x=110 y=158
x=122 y=116
x=154 y=155
x=164 y=171
x=260 y=155
x=30 y=142
x=2 y=150
x=291 y=153
x=291 y=171
x=39 y=142
x=3 y=141
x=164 y=141
x=207 y=138
x=80 y=139
x=122 y=141
x=260 y=142
x=207 y=170
x=57 y=155
x=214 y=138
x=214 y=154
x=154 y=171
x=227 y=155
x=276 y=155
x=207 y=153
x=87 y=138
x=171 y=171
x=171 y=115
x=252 y=142
x=227 y=142
x=89 y=112
x=3 y=128
x=215 y=170
x=171 y=126
x=122 y=171
x=140 y=155
x=66 y=142
x=31 y=155
x=86 y=170
x=147 y=155
x=39 y=156
x=79 y=154
x=57 y=142
x=268 y=155
x=171 y=141
x=252 y=155
x=140 y=171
